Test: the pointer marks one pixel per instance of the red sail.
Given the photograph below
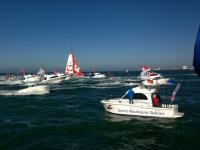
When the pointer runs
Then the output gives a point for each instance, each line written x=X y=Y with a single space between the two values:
x=77 y=70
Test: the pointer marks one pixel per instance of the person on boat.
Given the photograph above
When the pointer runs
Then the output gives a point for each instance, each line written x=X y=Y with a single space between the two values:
x=156 y=101
x=130 y=94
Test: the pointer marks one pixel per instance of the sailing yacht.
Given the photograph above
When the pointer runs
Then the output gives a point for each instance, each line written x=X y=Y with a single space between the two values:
x=72 y=67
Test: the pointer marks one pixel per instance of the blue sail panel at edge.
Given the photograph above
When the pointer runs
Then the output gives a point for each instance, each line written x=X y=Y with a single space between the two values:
x=196 y=60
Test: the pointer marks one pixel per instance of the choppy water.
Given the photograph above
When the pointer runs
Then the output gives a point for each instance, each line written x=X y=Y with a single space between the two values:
x=71 y=117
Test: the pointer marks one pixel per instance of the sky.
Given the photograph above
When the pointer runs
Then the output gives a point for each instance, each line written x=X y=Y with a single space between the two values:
x=103 y=34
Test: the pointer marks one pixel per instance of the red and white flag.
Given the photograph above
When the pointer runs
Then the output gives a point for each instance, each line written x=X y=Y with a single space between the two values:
x=175 y=91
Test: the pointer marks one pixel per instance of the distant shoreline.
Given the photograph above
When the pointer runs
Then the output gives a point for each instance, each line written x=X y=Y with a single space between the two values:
x=167 y=69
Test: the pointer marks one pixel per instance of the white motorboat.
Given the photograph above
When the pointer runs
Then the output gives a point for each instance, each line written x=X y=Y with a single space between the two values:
x=67 y=77
x=142 y=104
x=10 y=80
x=53 y=78
x=147 y=74
x=151 y=78
x=32 y=78
x=97 y=75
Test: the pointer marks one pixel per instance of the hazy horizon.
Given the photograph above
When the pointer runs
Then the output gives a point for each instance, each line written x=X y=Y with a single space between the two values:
x=92 y=69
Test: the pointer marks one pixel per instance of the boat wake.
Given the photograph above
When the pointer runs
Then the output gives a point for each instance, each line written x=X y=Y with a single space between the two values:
x=9 y=92
x=35 y=90
x=10 y=82
x=17 y=93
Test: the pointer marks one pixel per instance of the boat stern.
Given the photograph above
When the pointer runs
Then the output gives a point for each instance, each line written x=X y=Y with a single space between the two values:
x=176 y=113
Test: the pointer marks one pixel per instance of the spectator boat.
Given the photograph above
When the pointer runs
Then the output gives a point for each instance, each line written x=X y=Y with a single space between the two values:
x=97 y=75
x=142 y=103
x=151 y=78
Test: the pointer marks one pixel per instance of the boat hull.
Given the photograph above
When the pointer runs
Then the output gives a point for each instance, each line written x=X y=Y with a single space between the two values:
x=54 y=80
x=161 y=81
x=119 y=107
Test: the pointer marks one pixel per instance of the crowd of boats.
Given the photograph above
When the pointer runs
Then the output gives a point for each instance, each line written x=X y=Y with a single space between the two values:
x=143 y=100
x=38 y=83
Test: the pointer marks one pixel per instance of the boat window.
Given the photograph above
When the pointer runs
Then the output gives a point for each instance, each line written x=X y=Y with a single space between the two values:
x=53 y=77
x=139 y=96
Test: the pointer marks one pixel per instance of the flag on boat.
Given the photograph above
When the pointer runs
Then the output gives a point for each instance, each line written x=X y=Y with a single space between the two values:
x=175 y=91
x=22 y=72
x=145 y=68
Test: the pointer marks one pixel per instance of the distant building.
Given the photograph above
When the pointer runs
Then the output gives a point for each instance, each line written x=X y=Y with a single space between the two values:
x=184 y=67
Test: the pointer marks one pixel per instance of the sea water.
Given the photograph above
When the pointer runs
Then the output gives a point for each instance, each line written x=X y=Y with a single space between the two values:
x=71 y=117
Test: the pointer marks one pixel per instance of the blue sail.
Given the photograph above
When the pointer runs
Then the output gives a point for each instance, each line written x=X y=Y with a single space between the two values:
x=196 y=60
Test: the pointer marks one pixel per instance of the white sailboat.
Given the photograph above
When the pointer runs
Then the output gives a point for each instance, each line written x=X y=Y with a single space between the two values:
x=72 y=67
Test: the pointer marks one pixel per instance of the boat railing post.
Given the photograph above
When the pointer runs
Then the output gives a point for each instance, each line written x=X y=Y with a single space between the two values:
x=163 y=98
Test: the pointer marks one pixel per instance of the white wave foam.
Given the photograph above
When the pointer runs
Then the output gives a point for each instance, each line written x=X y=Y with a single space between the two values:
x=35 y=90
x=8 y=92
x=130 y=84
x=10 y=82
x=109 y=83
